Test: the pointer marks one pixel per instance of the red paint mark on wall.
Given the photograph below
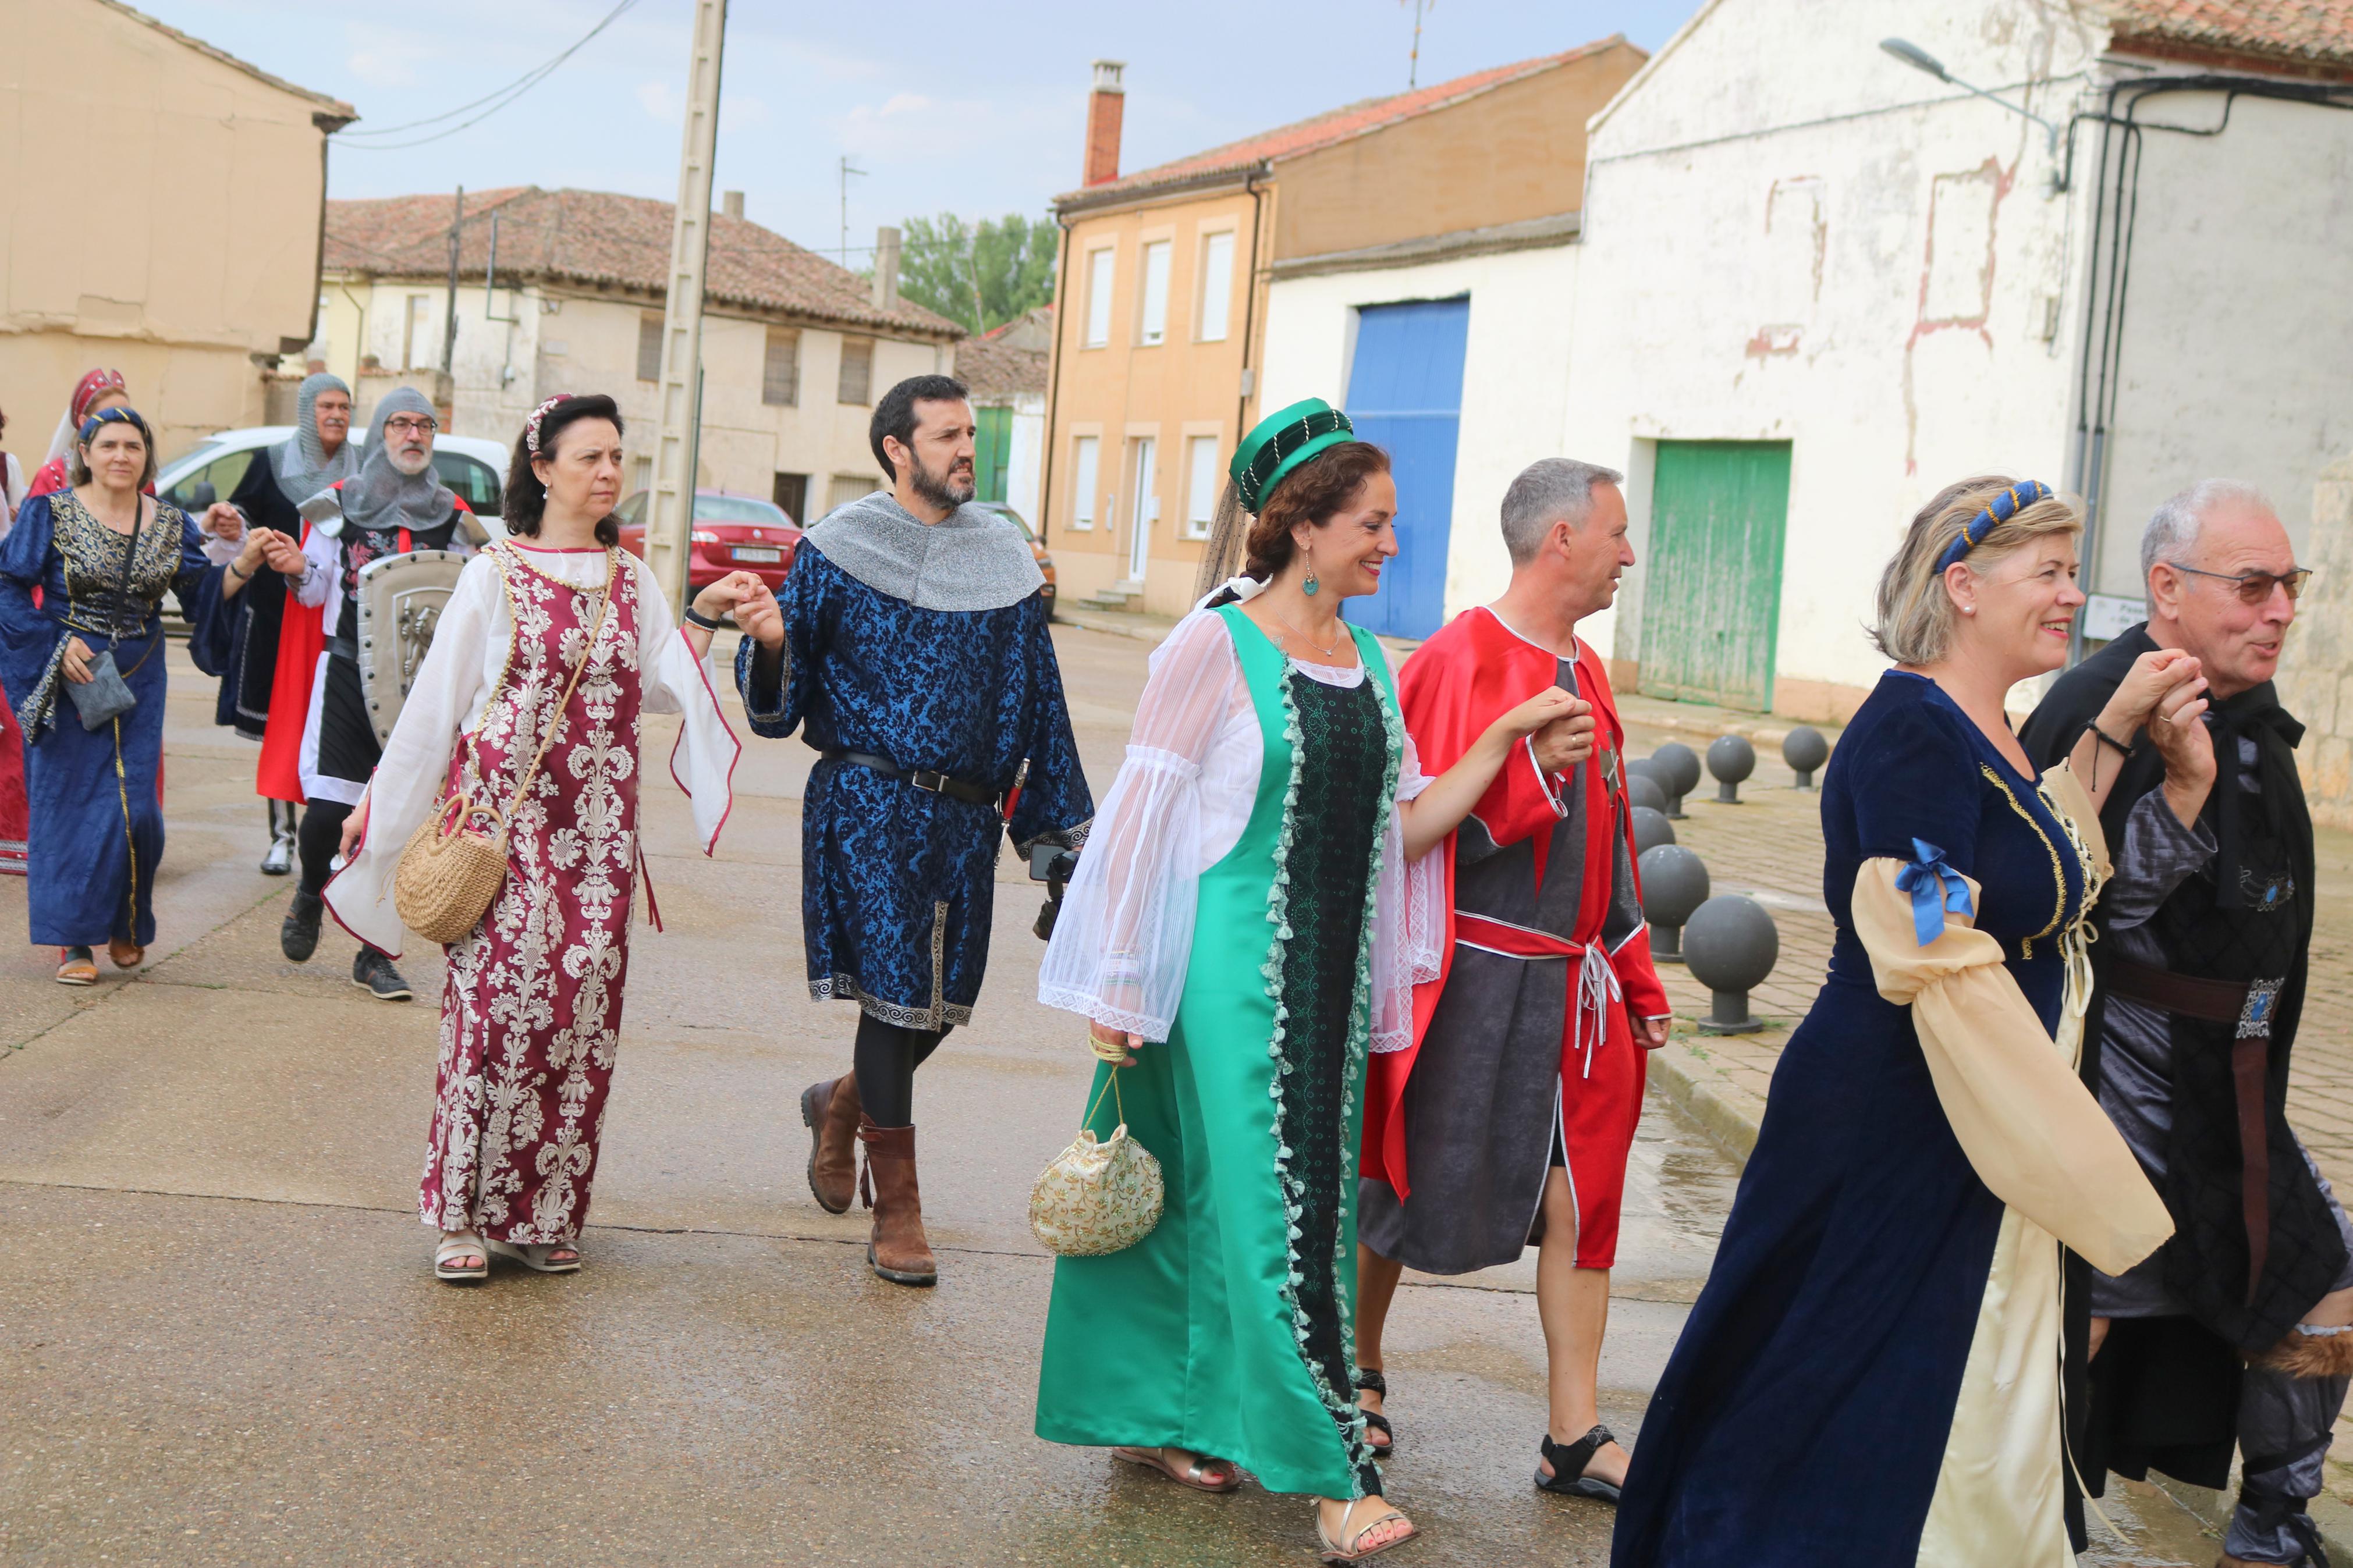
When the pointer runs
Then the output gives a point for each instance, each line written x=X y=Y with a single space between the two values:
x=1957 y=271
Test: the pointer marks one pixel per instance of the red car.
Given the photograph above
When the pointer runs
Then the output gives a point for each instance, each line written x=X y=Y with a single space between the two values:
x=731 y=533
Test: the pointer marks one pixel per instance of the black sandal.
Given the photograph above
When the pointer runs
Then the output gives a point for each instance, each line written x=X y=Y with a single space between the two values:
x=1370 y=1381
x=1568 y=1461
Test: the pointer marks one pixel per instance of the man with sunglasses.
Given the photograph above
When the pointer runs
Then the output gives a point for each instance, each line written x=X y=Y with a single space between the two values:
x=2236 y=1333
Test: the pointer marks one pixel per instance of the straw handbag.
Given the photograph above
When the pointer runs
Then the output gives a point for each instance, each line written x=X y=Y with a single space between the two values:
x=1098 y=1197
x=449 y=873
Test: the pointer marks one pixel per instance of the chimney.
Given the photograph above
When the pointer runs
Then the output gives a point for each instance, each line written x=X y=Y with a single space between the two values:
x=1105 y=106
x=732 y=203
x=886 y=268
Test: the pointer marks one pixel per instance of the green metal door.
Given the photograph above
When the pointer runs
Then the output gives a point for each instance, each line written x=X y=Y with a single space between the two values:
x=992 y=453
x=1712 y=588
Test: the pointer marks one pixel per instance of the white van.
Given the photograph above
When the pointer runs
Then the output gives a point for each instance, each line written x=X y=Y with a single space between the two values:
x=473 y=468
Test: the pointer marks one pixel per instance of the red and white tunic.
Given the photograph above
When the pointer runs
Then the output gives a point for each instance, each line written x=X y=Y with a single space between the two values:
x=531 y=1014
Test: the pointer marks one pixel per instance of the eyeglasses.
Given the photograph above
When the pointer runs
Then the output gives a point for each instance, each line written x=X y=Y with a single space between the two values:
x=2255 y=587
x=410 y=426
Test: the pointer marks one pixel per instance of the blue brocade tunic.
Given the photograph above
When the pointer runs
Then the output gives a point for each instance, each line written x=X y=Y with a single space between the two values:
x=897 y=883
x=97 y=824
x=1805 y=1414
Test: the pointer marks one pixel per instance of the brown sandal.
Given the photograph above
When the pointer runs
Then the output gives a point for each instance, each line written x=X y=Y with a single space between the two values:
x=126 y=954
x=1195 y=1475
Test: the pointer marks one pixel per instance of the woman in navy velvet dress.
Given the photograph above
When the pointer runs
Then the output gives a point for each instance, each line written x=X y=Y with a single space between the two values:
x=1872 y=1373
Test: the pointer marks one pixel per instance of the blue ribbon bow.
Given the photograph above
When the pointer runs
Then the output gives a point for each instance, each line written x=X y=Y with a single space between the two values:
x=1936 y=888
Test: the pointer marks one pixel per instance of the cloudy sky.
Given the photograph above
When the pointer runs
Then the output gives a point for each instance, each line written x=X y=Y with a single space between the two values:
x=972 y=109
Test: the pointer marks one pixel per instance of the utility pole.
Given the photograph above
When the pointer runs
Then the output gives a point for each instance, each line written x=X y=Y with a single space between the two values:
x=1413 y=61
x=449 y=332
x=847 y=172
x=672 y=501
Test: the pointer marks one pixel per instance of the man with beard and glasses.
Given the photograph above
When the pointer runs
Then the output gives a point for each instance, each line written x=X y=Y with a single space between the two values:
x=910 y=650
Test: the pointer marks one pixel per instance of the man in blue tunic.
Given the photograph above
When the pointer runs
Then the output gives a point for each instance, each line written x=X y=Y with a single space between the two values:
x=911 y=649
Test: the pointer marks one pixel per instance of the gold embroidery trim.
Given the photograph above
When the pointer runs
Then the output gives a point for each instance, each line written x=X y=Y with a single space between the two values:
x=2058 y=870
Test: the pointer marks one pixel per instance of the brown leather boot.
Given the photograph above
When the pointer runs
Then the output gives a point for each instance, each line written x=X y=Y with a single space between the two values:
x=829 y=1110
x=897 y=1250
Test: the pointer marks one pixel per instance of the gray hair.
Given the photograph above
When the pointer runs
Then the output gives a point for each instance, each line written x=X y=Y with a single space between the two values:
x=2173 y=528
x=1550 y=490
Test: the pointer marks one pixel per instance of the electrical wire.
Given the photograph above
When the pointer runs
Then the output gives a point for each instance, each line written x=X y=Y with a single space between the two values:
x=497 y=100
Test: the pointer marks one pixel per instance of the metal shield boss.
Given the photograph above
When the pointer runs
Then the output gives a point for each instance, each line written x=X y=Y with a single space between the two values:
x=400 y=601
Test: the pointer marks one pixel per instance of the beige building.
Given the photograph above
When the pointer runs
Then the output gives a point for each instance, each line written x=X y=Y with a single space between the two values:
x=162 y=205
x=563 y=291
x=1162 y=302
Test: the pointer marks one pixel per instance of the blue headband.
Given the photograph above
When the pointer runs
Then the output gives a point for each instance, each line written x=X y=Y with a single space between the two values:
x=1998 y=510
x=114 y=417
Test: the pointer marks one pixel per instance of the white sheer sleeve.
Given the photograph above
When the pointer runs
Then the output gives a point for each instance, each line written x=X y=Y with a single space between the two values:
x=674 y=680
x=1124 y=935
x=416 y=762
x=1408 y=920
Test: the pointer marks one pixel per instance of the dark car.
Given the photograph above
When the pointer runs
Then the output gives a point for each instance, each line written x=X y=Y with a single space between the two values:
x=1036 y=547
x=731 y=533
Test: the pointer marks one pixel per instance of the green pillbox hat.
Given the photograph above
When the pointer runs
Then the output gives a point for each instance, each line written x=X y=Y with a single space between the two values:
x=1280 y=443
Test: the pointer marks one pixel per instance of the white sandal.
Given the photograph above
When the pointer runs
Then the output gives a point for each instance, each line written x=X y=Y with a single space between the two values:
x=447 y=1264
x=535 y=1256
x=1346 y=1549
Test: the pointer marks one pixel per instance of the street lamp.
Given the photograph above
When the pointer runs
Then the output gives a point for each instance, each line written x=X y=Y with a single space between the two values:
x=1920 y=60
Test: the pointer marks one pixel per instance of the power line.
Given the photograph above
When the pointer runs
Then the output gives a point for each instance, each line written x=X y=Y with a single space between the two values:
x=497 y=100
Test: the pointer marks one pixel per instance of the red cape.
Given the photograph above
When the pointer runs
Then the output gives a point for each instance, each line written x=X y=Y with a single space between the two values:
x=1472 y=671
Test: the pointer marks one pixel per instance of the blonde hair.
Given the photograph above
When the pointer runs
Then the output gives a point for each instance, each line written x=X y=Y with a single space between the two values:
x=1915 y=612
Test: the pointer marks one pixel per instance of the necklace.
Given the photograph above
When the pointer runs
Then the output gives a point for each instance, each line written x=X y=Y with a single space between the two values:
x=1328 y=651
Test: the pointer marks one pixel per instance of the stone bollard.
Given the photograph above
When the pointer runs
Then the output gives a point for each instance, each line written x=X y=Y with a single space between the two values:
x=1731 y=759
x=1651 y=829
x=1676 y=768
x=1674 y=883
x=1643 y=791
x=1731 y=946
x=1805 y=751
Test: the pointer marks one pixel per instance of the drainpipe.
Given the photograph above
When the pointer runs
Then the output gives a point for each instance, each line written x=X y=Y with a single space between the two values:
x=1250 y=304
x=1053 y=380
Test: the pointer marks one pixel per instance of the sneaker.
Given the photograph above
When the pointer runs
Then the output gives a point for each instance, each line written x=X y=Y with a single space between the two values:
x=374 y=971
x=297 y=935
x=280 y=858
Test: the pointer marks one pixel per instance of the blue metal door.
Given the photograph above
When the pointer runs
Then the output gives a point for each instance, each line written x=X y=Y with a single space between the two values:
x=1405 y=393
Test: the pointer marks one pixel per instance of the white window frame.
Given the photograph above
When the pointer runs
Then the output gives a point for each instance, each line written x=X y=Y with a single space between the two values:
x=1216 y=287
x=1086 y=474
x=1201 y=488
x=1102 y=277
x=1152 y=310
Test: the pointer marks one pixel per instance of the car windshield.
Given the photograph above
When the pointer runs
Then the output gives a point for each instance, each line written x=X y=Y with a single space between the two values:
x=738 y=508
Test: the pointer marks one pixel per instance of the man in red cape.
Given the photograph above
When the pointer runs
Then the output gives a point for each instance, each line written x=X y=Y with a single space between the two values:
x=1508 y=1119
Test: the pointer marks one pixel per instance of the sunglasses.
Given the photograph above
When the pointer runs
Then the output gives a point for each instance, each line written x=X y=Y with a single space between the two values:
x=2255 y=587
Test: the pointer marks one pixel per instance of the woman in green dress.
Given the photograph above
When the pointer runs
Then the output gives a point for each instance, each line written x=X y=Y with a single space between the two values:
x=1249 y=919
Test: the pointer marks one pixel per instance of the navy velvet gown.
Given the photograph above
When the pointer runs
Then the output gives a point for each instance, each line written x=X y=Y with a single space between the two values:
x=1803 y=1416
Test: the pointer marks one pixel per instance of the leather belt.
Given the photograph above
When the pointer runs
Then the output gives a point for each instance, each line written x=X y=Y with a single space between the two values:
x=2215 y=1001
x=924 y=779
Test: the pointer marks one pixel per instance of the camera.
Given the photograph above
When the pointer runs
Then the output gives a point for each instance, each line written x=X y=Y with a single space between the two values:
x=1052 y=864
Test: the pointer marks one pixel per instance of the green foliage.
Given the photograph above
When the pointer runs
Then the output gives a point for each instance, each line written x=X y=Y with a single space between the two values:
x=980 y=274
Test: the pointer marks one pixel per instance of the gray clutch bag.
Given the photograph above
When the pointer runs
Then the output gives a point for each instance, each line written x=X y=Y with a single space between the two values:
x=104 y=696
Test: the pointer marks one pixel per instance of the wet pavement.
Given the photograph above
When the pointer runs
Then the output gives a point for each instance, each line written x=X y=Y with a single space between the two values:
x=220 y=1341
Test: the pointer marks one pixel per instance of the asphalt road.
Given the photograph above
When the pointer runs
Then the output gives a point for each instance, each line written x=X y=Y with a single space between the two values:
x=220 y=1341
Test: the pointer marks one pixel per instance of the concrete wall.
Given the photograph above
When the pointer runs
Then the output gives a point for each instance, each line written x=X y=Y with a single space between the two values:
x=569 y=340
x=1025 y=464
x=159 y=212
x=1514 y=381
x=2315 y=677
x=1789 y=235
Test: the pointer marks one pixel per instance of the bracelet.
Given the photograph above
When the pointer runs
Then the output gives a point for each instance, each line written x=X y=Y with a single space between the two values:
x=2092 y=726
x=230 y=566
x=695 y=617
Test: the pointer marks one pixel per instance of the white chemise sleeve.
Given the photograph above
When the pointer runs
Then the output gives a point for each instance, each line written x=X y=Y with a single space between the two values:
x=450 y=685
x=1409 y=919
x=1124 y=936
x=703 y=761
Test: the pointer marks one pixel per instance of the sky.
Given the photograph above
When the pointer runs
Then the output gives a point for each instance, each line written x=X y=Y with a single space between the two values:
x=978 y=109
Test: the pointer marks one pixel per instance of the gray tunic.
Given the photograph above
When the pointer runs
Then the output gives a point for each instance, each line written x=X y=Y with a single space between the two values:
x=1482 y=1107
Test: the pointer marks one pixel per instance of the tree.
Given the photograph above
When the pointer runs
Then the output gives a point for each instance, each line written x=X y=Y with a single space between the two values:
x=978 y=275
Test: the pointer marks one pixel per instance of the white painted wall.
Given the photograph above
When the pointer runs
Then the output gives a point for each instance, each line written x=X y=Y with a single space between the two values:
x=1514 y=381
x=1025 y=462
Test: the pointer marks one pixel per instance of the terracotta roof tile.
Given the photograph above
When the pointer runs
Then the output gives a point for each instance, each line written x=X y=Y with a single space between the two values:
x=599 y=238
x=1329 y=127
x=2318 y=31
x=995 y=368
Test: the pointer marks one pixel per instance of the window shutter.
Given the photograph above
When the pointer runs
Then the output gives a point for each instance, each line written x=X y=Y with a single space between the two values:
x=856 y=383
x=780 y=373
x=650 y=331
x=1217 y=284
x=1155 y=324
x=1085 y=459
x=1099 y=283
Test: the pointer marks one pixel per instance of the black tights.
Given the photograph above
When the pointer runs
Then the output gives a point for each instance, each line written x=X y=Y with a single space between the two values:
x=318 y=838
x=886 y=1061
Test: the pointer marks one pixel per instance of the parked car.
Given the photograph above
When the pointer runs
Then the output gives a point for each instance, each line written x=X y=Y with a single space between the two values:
x=1036 y=547
x=209 y=471
x=730 y=533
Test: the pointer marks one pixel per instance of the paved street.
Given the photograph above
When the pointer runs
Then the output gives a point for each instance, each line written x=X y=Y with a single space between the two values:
x=220 y=1341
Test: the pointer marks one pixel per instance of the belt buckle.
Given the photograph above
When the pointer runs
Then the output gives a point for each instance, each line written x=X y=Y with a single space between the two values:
x=2256 y=1013
x=928 y=781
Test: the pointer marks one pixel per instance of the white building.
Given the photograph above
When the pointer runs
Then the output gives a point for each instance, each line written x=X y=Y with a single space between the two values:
x=795 y=349
x=1816 y=285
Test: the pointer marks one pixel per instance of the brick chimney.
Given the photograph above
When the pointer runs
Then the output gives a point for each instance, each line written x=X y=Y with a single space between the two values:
x=732 y=203
x=1105 y=106
x=886 y=268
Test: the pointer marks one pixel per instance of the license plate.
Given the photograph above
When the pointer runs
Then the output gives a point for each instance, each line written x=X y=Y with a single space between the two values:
x=758 y=552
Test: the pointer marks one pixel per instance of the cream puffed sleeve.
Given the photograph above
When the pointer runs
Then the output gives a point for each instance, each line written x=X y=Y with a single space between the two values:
x=1124 y=936
x=2031 y=1130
